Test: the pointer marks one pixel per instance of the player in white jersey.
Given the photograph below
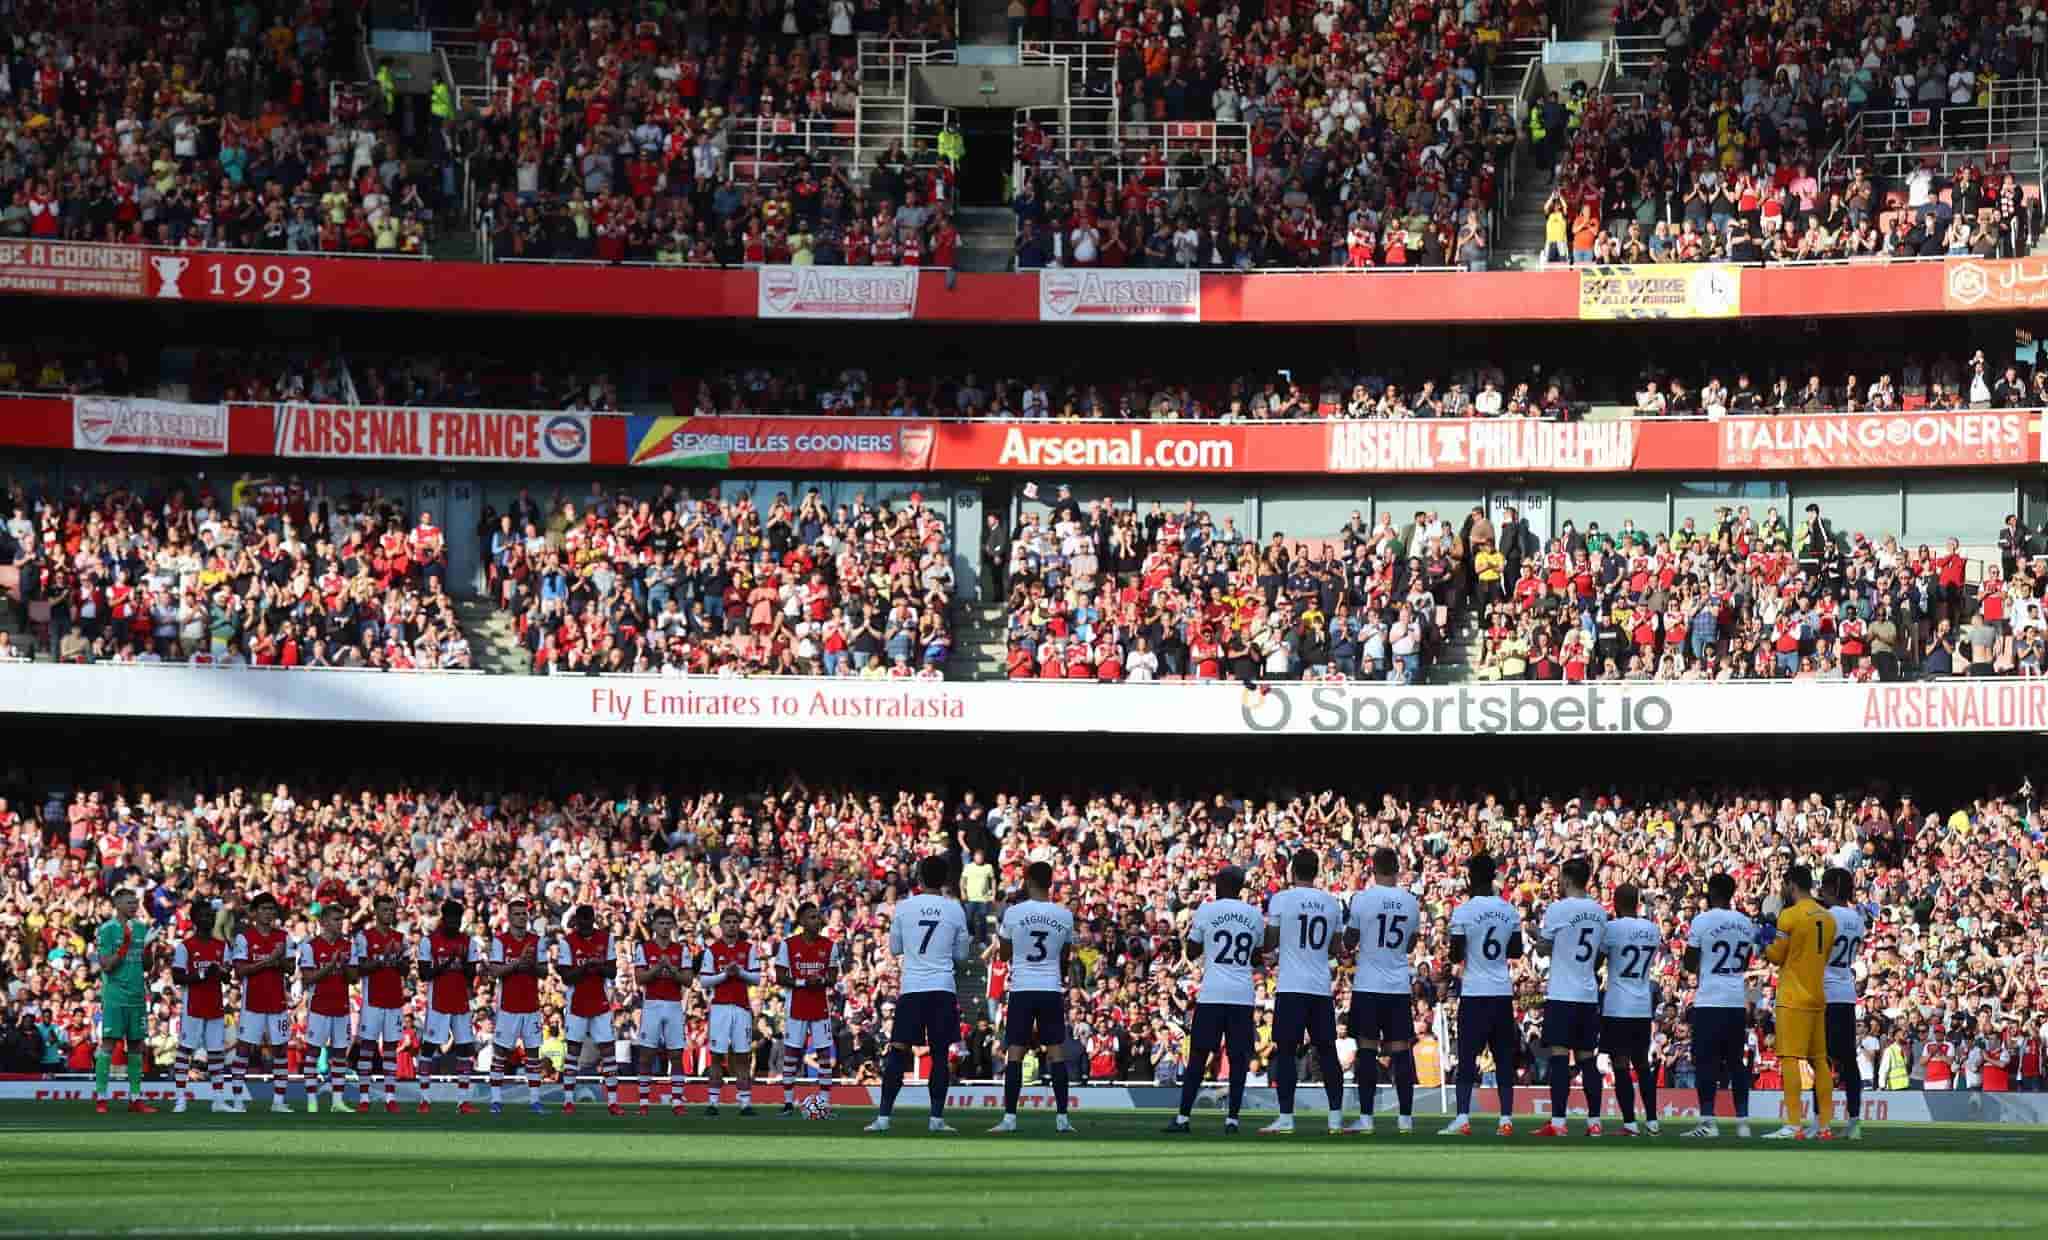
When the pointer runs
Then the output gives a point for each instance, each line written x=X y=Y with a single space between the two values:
x=1570 y=937
x=928 y=934
x=1486 y=933
x=1630 y=945
x=1838 y=982
x=1038 y=943
x=1383 y=924
x=1718 y=948
x=1302 y=924
x=1225 y=935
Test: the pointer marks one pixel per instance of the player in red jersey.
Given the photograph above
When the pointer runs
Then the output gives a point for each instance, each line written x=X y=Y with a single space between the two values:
x=518 y=958
x=662 y=965
x=806 y=966
x=379 y=959
x=585 y=959
x=199 y=965
x=728 y=966
x=447 y=964
x=262 y=958
x=324 y=973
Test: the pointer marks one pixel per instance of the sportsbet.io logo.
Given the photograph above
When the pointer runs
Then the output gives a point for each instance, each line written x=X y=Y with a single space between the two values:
x=1474 y=712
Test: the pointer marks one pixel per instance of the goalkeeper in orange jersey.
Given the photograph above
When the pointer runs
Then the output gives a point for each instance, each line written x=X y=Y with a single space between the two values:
x=1806 y=933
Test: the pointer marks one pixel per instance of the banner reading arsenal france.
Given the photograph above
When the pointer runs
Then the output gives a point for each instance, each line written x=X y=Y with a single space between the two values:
x=351 y=432
x=1928 y=439
x=893 y=446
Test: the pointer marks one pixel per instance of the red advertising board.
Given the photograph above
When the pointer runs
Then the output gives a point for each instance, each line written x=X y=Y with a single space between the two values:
x=1752 y=445
x=1334 y=296
x=1924 y=440
x=1406 y=447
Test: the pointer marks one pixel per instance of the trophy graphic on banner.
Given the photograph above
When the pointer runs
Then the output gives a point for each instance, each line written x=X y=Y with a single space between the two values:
x=170 y=269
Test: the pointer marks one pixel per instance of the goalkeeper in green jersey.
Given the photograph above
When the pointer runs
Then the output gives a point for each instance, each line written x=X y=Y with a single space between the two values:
x=122 y=948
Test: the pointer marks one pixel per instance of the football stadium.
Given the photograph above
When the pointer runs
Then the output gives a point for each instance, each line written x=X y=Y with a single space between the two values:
x=878 y=618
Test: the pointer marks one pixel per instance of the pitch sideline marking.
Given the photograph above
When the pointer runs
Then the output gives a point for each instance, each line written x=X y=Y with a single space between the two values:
x=1445 y=1225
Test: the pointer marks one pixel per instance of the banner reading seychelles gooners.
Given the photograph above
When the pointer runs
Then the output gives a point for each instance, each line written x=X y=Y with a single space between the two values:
x=780 y=443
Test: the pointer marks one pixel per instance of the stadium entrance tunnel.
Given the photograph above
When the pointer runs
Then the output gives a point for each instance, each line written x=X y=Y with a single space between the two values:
x=991 y=152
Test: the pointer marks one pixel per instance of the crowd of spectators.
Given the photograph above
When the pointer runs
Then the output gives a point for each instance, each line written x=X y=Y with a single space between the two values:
x=209 y=126
x=1101 y=593
x=67 y=369
x=1749 y=598
x=678 y=585
x=1373 y=389
x=690 y=144
x=1722 y=158
x=1106 y=594
x=1943 y=383
x=1367 y=143
x=1953 y=975
x=271 y=573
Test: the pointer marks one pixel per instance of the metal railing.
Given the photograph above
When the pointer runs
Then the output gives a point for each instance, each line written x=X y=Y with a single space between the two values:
x=763 y=147
x=886 y=63
x=1632 y=55
x=1516 y=57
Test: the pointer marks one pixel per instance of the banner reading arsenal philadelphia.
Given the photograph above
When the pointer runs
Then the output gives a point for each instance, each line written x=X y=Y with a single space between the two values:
x=1441 y=447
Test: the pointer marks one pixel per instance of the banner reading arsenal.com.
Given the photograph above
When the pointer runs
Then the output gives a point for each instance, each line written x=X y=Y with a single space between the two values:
x=1119 y=295
x=116 y=424
x=1881 y=440
x=837 y=292
x=350 y=432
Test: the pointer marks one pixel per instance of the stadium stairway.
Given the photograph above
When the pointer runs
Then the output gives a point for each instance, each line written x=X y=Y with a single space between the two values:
x=493 y=642
x=1460 y=653
x=1522 y=245
x=988 y=238
x=979 y=645
x=973 y=985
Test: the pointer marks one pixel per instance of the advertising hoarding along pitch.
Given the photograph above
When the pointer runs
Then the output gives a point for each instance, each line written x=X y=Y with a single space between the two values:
x=1806 y=708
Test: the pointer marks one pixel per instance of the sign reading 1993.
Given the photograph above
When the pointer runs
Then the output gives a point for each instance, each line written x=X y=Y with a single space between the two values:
x=229 y=277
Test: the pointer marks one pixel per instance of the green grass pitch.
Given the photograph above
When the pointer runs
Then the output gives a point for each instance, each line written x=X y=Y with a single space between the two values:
x=68 y=1172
